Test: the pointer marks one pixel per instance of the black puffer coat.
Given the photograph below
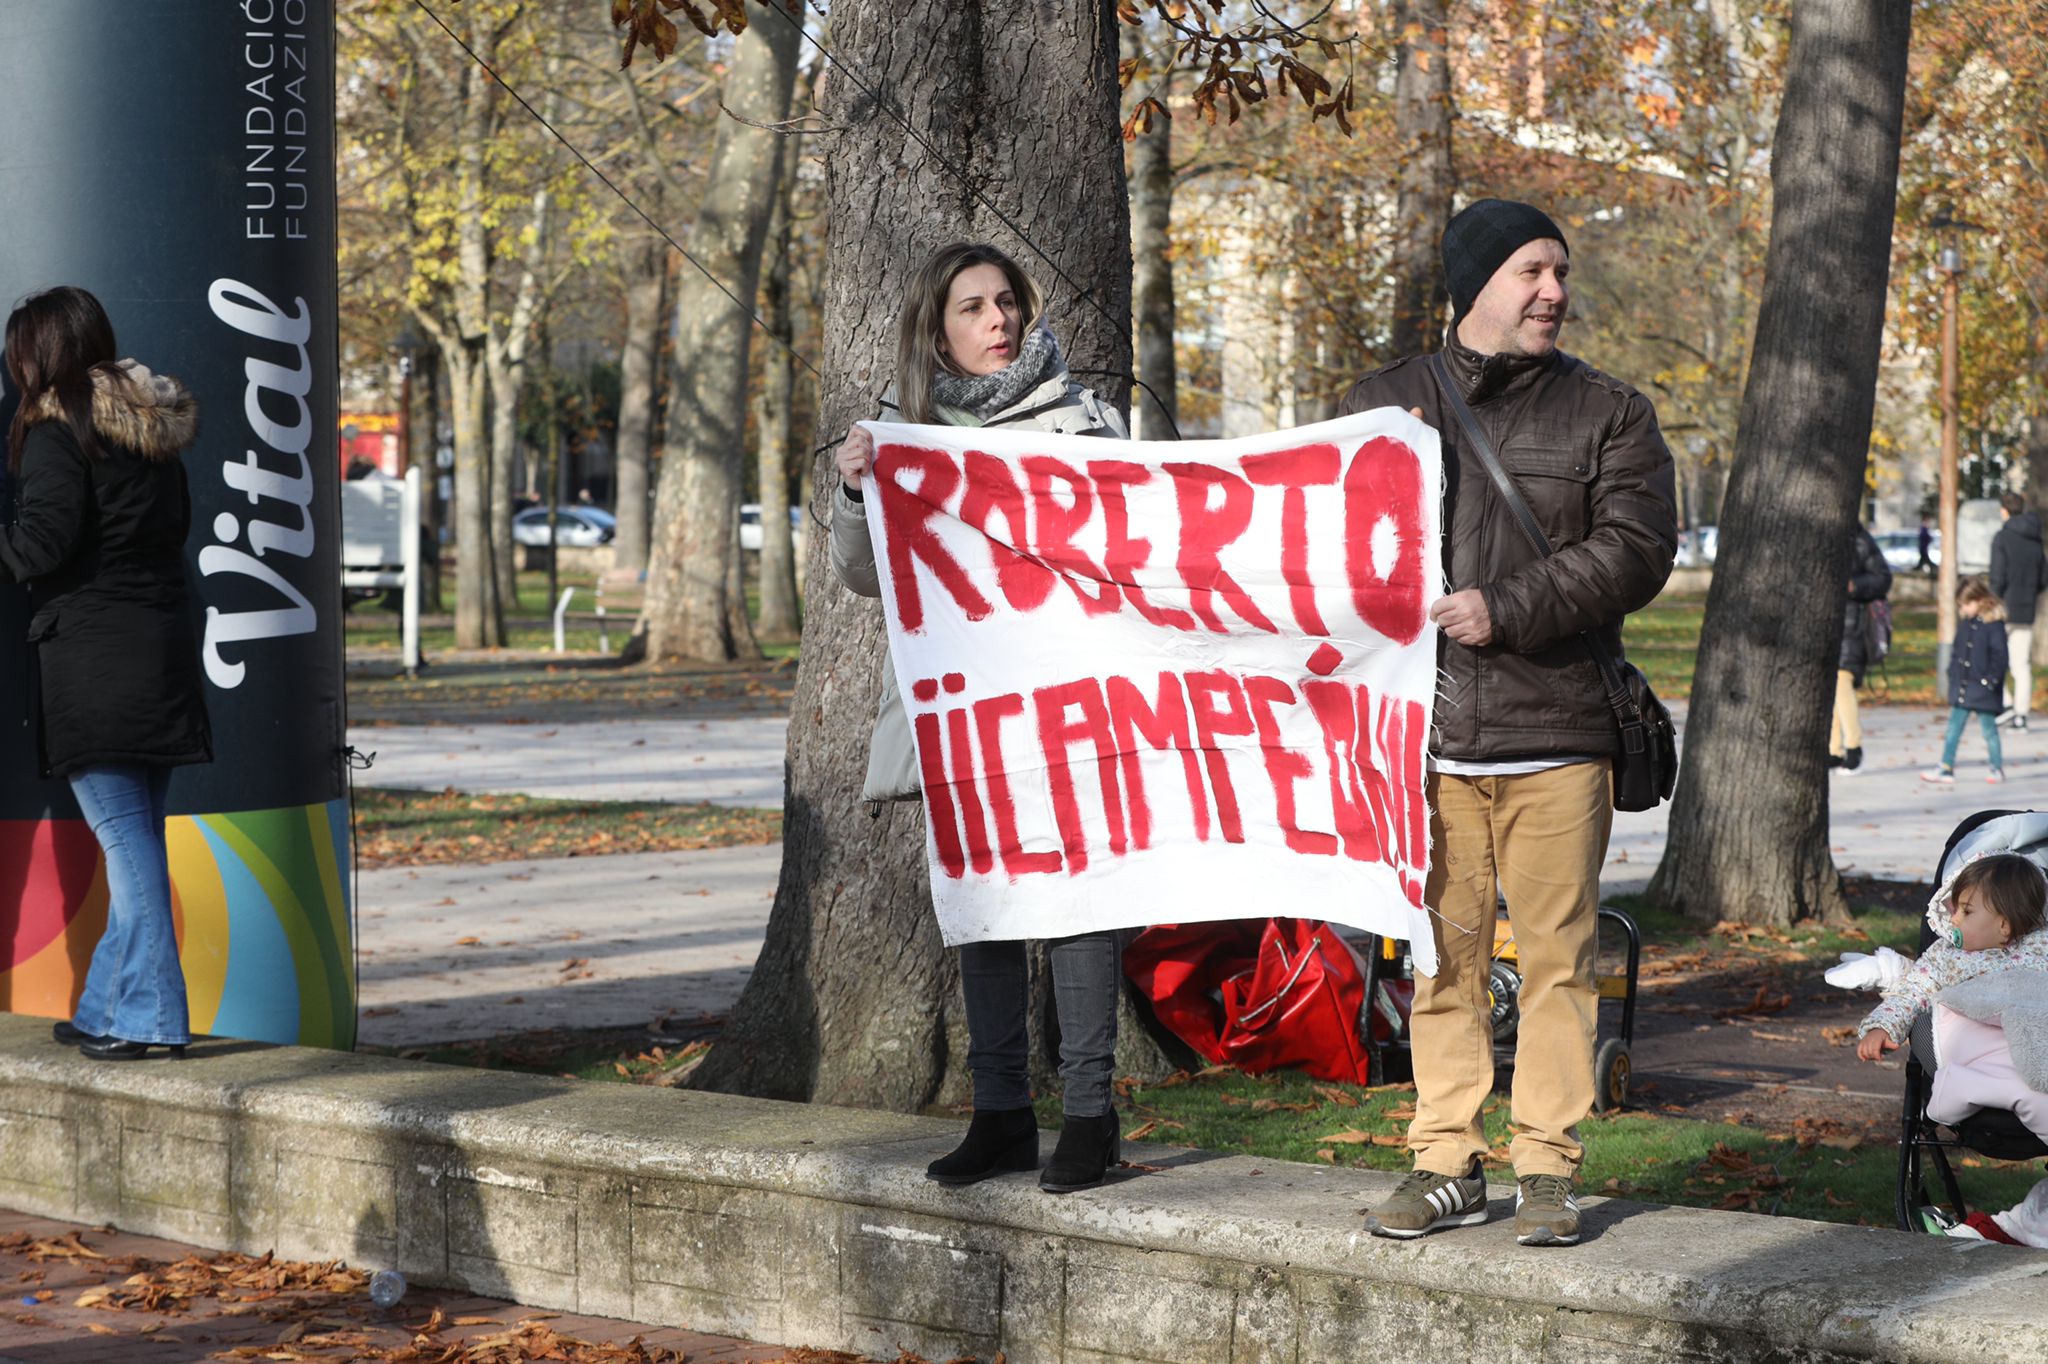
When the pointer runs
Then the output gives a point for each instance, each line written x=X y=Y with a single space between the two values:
x=1870 y=579
x=2017 y=566
x=100 y=542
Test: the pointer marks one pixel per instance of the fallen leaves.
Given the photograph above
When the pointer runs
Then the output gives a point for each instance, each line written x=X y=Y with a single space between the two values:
x=398 y=828
x=1765 y=1001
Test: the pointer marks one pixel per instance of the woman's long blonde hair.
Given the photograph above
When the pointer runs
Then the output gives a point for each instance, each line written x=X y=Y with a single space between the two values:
x=921 y=326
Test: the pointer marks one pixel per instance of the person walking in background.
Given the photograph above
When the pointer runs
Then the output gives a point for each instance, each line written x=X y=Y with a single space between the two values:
x=99 y=538
x=1870 y=579
x=2017 y=569
x=1521 y=773
x=1926 y=564
x=973 y=349
x=1976 y=679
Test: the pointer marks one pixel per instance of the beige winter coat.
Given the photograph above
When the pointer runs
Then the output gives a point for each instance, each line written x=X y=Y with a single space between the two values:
x=1058 y=405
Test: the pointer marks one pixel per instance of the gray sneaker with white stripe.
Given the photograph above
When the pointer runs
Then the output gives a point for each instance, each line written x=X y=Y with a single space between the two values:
x=1546 y=1210
x=1425 y=1201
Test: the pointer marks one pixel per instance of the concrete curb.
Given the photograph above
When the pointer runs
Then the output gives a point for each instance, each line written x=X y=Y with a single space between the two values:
x=814 y=1225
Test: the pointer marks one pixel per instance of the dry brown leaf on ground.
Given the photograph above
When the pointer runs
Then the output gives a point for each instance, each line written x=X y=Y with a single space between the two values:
x=1338 y=1096
x=65 y=1247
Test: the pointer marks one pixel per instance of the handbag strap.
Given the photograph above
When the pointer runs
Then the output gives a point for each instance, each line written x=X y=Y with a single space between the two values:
x=1611 y=678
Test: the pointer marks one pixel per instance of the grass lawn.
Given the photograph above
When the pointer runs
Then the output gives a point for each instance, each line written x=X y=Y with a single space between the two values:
x=530 y=625
x=1810 y=1167
x=396 y=827
x=1808 y=1170
x=1663 y=639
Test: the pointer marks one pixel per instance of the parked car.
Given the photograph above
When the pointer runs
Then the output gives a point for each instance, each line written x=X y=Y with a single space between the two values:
x=1901 y=548
x=579 y=527
x=750 y=526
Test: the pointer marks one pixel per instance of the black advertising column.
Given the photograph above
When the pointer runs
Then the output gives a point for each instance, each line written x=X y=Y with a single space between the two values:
x=176 y=158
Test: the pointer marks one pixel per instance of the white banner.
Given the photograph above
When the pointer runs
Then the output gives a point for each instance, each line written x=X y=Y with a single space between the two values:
x=1166 y=682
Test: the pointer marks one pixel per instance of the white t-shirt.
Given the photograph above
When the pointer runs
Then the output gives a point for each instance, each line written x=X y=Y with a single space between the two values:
x=1508 y=767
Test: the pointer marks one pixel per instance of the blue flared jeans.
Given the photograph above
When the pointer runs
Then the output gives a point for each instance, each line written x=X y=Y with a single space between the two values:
x=135 y=988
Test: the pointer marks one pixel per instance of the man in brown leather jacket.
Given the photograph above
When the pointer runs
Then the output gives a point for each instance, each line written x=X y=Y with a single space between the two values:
x=1521 y=754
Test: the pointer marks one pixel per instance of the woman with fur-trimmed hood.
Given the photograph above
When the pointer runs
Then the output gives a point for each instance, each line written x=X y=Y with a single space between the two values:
x=102 y=512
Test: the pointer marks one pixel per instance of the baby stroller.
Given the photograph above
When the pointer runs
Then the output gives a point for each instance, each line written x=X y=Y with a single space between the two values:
x=1390 y=989
x=1994 y=1133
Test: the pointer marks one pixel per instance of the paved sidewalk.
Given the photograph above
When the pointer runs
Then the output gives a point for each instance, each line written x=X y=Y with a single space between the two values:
x=454 y=952
x=43 y=1325
x=1886 y=822
x=731 y=761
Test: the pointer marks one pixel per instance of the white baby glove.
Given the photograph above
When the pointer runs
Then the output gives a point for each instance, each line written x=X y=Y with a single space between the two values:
x=1863 y=971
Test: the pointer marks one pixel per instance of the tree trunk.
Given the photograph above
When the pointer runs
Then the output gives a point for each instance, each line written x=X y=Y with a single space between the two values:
x=507 y=354
x=1749 y=825
x=479 y=619
x=1422 y=205
x=1157 y=412
x=479 y=606
x=772 y=411
x=854 y=1000
x=646 y=282
x=689 y=611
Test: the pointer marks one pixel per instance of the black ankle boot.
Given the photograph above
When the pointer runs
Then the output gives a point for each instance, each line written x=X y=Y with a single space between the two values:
x=996 y=1142
x=1087 y=1148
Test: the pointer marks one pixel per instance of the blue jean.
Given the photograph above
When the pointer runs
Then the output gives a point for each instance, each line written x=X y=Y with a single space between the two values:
x=1957 y=718
x=135 y=988
x=1087 y=978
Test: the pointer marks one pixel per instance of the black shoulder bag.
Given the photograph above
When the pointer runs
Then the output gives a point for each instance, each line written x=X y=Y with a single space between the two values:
x=1646 y=757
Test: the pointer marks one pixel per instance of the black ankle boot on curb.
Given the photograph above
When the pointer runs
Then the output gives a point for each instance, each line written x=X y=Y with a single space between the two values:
x=1087 y=1148
x=996 y=1143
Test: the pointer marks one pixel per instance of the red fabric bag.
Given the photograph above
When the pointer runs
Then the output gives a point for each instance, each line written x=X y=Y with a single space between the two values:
x=1257 y=994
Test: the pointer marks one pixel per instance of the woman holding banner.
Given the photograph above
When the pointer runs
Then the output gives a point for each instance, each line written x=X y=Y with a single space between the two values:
x=972 y=349
x=99 y=538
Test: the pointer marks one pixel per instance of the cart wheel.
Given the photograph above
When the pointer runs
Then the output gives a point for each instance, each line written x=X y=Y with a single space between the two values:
x=1610 y=1076
x=1504 y=999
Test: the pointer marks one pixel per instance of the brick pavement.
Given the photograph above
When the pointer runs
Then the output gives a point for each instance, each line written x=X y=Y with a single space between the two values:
x=54 y=1330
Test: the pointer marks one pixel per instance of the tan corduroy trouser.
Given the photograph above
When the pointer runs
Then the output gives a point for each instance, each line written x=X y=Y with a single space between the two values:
x=1541 y=837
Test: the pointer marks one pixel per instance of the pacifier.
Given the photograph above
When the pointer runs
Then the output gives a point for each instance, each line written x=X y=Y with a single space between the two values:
x=1954 y=936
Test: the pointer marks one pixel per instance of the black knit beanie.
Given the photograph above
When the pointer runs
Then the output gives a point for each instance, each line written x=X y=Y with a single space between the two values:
x=1479 y=239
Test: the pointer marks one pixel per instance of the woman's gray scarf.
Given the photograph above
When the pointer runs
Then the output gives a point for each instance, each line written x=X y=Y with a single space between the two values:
x=985 y=395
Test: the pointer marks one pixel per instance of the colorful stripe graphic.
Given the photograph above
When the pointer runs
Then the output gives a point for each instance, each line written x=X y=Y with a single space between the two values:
x=260 y=902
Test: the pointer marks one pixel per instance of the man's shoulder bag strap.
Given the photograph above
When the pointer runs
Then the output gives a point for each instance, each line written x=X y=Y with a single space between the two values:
x=1610 y=671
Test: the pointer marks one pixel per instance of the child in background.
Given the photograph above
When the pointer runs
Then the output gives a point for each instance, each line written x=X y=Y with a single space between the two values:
x=1976 y=679
x=1994 y=923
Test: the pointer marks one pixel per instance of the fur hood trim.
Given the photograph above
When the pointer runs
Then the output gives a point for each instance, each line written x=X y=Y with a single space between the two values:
x=151 y=414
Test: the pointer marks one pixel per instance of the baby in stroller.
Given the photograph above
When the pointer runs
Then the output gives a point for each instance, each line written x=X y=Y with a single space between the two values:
x=1990 y=954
